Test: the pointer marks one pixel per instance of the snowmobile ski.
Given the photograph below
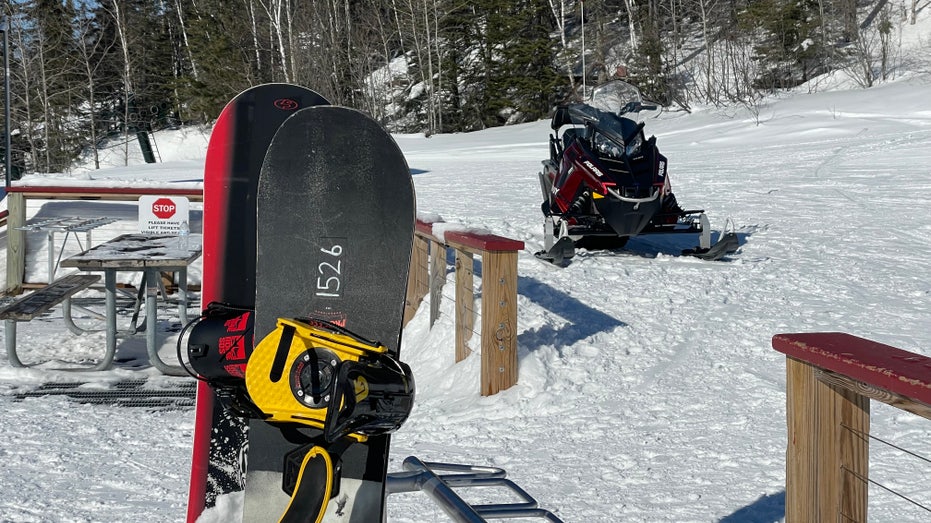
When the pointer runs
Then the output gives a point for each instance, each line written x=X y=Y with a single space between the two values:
x=727 y=244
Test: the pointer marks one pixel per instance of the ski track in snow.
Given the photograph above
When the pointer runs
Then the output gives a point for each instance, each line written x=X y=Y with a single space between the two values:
x=649 y=390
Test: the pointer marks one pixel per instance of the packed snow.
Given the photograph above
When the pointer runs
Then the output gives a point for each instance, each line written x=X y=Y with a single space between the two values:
x=648 y=387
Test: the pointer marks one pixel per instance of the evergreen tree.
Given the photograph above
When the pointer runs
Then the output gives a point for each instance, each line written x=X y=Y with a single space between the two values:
x=222 y=44
x=49 y=40
x=791 y=46
x=520 y=56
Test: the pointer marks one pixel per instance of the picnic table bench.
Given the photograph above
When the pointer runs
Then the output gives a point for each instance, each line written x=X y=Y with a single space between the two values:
x=39 y=302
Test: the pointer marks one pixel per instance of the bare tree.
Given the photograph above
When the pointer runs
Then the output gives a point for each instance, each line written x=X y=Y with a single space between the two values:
x=179 y=9
x=22 y=95
x=92 y=51
x=280 y=18
x=559 y=9
x=122 y=33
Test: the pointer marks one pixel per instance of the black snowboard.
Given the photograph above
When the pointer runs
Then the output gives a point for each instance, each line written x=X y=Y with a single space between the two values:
x=336 y=214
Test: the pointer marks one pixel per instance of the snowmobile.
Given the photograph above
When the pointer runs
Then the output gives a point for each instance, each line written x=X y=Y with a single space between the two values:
x=605 y=182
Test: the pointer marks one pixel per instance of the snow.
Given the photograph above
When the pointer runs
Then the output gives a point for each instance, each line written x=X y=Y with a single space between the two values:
x=648 y=388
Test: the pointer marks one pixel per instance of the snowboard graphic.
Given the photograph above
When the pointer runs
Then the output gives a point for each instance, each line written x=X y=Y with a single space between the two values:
x=235 y=154
x=335 y=226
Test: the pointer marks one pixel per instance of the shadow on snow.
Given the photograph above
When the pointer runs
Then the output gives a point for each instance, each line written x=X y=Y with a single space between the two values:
x=769 y=508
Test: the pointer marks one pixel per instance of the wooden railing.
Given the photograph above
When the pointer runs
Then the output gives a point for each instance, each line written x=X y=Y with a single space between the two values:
x=830 y=380
x=499 y=295
x=17 y=195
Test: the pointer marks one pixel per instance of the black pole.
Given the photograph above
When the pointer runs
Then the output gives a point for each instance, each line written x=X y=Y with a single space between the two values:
x=8 y=153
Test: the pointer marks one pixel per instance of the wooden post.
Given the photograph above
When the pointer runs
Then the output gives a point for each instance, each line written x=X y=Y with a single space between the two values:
x=499 y=321
x=499 y=304
x=416 y=278
x=437 y=278
x=828 y=449
x=15 y=243
x=465 y=303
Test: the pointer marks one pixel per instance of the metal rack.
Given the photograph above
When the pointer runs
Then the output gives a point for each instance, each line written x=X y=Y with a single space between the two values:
x=67 y=225
x=423 y=476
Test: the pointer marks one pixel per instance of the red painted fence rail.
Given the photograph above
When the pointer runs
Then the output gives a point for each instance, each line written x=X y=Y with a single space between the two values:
x=67 y=192
x=830 y=379
x=883 y=366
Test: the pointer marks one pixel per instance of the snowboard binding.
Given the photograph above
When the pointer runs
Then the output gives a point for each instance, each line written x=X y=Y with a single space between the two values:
x=318 y=374
x=218 y=350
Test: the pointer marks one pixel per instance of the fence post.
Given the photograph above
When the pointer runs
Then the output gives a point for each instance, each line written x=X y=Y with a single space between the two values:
x=499 y=321
x=416 y=278
x=465 y=302
x=828 y=454
x=437 y=278
x=830 y=378
x=15 y=242
x=499 y=298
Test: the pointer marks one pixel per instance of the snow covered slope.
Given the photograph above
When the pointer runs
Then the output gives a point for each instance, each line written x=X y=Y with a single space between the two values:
x=648 y=388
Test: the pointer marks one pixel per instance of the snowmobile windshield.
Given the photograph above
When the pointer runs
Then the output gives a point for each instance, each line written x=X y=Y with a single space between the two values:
x=615 y=97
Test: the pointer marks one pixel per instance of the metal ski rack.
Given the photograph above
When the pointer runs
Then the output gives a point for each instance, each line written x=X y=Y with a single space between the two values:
x=67 y=225
x=419 y=475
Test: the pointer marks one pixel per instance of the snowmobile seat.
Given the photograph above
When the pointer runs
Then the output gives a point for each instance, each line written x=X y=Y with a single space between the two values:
x=560 y=118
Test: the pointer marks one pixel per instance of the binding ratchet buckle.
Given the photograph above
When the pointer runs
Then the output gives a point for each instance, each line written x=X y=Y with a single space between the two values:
x=319 y=374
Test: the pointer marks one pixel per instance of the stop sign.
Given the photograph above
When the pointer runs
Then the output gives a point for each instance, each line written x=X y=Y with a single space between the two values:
x=164 y=208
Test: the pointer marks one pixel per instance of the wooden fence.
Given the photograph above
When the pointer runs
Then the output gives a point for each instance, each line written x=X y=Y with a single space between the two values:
x=830 y=380
x=428 y=274
x=17 y=196
x=499 y=295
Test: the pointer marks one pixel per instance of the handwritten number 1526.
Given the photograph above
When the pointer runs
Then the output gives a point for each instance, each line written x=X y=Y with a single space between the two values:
x=329 y=273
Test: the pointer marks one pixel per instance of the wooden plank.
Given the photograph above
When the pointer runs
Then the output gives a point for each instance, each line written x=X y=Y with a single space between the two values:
x=875 y=393
x=437 y=278
x=499 y=321
x=465 y=303
x=478 y=242
x=417 y=278
x=801 y=492
x=882 y=366
x=828 y=451
x=15 y=244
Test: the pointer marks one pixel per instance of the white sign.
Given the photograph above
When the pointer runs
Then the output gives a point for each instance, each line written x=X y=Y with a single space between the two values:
x=162 y=214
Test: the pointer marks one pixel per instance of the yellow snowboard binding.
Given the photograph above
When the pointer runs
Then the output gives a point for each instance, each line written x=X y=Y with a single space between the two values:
x=318 y=374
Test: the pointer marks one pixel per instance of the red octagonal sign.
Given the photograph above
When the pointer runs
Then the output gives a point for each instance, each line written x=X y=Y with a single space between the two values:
x=164 y=208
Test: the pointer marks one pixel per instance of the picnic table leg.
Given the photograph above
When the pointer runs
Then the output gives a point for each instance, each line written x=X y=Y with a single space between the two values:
x=151 y=326
x=10 y=338
x=51 y=256
x=69 y=320
x=182 y=295
x=109 y=283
